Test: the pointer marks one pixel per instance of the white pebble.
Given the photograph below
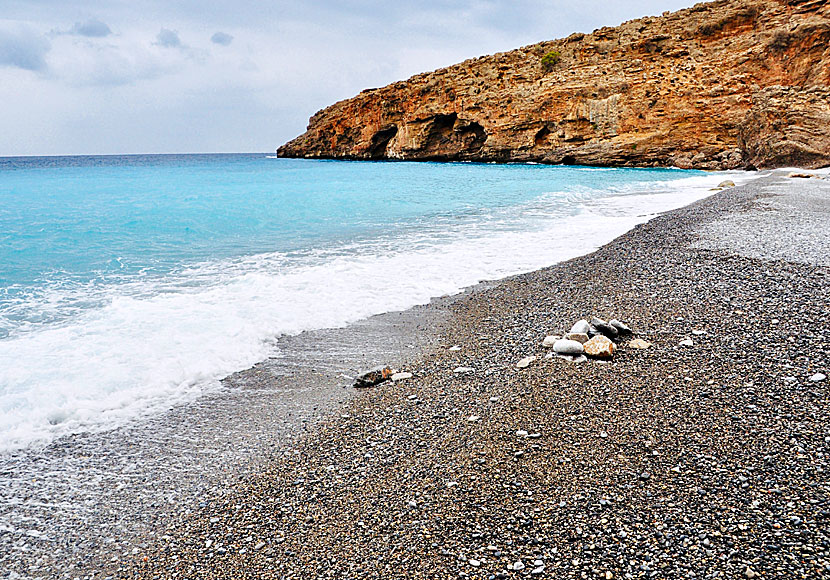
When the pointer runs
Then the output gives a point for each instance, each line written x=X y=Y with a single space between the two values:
x=525 y=362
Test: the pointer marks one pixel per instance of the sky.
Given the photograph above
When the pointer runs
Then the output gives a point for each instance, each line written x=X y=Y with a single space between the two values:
x=86 y=77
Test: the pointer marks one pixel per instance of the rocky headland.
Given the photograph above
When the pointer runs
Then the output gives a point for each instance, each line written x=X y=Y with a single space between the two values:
x=722 y=85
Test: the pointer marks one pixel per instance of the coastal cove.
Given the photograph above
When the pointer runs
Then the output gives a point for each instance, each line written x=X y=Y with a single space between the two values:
x=559 y=312
x=99 y=491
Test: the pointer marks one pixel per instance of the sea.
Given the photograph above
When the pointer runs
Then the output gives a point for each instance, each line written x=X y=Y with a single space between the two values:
x=130 y=284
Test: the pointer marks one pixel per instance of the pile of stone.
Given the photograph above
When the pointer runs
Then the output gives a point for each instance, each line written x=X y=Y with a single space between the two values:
x=594 y=339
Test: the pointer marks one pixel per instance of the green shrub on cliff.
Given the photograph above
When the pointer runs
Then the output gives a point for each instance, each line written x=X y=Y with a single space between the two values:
x=550 y=60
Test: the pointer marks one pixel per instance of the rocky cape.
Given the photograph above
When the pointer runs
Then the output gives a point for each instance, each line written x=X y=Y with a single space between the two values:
x=722 y=85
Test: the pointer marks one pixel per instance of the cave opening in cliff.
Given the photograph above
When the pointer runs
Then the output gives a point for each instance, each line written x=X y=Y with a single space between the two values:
x=473 y=136
x=440 y=135
x=449 y=137
x=569 y=160
x=380 y=142
x=541 y=137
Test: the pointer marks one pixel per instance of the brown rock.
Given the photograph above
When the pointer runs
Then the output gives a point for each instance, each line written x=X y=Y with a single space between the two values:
x=727 y=84
x=373 y=377
x=599 y=347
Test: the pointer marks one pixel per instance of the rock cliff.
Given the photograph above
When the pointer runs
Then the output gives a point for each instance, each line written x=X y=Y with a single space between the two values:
x=725 y=84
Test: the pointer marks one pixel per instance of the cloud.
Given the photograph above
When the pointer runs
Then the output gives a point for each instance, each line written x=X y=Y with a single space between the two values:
x=222 y=38
x=23 y=49
x=168 y=39
x=92 y=28
x=146 y=88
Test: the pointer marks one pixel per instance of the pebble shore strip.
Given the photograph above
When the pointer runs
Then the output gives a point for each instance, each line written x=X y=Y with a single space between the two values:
x=700 y=450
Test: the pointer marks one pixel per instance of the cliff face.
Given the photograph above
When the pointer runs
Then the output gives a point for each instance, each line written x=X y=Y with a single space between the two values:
x=726 y=84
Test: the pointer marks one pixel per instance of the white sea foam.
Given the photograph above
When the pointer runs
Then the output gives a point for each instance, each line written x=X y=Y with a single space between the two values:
x=157 y=342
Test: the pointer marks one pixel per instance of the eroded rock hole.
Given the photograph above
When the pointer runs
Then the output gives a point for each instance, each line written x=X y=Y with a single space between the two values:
x=541 y=137
x=380 y=141
x=450 y=137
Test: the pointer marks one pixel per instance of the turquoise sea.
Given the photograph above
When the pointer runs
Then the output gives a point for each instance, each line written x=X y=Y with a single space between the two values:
x=128 y=283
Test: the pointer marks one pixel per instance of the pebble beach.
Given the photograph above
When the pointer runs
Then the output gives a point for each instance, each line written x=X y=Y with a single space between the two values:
x=704 y=455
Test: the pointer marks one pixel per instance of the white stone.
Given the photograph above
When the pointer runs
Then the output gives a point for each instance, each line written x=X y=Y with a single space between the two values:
x=818 y=377
x=461 y=370
x=473 y=418
x=571 y=347
x=579 y=337
x=550 y=340
x=525 y=362
x=401 y=376
x=521 y=433
x=455 y=348
x=687 y=342
x=581 y=327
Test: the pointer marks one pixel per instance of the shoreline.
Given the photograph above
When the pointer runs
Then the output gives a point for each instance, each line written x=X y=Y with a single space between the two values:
x=310 y=383
x=427 y=478
x=141 y=474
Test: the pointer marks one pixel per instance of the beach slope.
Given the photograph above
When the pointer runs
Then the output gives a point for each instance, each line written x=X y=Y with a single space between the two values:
x=704 y=455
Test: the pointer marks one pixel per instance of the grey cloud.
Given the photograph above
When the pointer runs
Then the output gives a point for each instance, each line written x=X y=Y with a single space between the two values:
x=168 y=39
x=222 y=38
x=92 y=28
x=23 y=49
